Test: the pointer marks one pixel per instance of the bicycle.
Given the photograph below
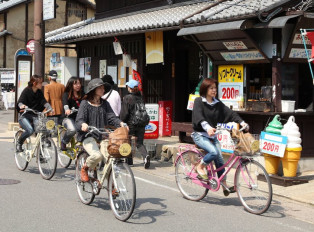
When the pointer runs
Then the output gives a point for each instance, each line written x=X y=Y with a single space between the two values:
x=120 y=179
x=254 y=195
x=43 y=148
x=65 y=157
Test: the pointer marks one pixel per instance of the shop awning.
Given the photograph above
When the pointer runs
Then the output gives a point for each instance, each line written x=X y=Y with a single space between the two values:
x=234 y=25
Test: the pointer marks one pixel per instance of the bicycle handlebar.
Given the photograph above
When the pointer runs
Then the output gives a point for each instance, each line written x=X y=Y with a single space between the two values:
x=92 y=129
x=35 y=111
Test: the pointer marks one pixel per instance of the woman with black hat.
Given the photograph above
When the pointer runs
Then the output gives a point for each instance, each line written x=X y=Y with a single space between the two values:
x=93 y=111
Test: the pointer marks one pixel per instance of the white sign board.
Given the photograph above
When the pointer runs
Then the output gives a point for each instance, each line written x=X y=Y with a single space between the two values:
x=298 y=39
x=273 y=144
x=49 y=9
x=299 y=53
x=8 y=77
x=239 y=56
x=234 y=45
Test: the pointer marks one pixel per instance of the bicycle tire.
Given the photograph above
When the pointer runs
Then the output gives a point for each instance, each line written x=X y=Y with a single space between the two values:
x=183 y=167
x=255 y=195
x=19 y=157
x=63 y=159
x=47 y=158
x=122 y=200
x=84 y=189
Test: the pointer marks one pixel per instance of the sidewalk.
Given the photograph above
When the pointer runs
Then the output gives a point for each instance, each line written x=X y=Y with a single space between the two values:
x=302 y=193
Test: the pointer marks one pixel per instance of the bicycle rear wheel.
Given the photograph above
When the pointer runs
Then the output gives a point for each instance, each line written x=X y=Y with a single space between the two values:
x=20 y=158
x=122 y=191
x=254 y=194
x=47 y=158
x=185 y=175
x=84 y=189
x=63 y=159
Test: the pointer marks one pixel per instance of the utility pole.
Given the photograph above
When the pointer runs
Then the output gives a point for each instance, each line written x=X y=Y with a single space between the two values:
x=39 y=36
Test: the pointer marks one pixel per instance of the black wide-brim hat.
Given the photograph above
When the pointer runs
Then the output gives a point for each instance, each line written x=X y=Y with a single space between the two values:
x=93 y=84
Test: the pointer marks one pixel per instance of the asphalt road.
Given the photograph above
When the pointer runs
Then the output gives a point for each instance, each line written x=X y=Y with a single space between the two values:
x=35 y=204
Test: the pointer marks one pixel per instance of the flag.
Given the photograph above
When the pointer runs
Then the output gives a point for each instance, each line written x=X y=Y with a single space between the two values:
x=310 y=35
x=137 y=77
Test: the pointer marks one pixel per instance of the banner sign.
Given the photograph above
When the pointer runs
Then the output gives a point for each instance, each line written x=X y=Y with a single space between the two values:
x=240 y=56
x=273 y=144
x=230 y=84
x=151 y=130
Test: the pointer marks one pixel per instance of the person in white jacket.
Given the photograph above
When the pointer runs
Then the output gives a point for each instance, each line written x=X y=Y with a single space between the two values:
x=112 y=96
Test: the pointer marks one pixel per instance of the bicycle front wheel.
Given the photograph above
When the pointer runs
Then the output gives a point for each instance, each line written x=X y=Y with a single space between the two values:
x=122 y=191
x=20 y=158
x=63 y=159
x=254 y=194
x=185 y=174
x=47 y=158
x=84 y=189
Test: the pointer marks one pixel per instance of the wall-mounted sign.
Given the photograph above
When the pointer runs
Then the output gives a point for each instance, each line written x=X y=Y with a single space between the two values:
x=299 y=53
x=230 y=84
x=30 y=46
x=154 y=47
x=298 y=39
x=7 y=77
x=234 y=45
x=240 y=56
x=102 y=68
x=49 y=9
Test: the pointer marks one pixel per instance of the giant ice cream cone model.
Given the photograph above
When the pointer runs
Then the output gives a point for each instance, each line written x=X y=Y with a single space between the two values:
x=272 y=162
x=293 y=149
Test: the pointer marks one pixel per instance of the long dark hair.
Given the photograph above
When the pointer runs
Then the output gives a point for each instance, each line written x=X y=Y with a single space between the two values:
x=69 y=87
x=34 y=79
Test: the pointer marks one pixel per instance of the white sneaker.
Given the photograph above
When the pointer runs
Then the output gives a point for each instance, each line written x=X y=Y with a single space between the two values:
x=147 y=162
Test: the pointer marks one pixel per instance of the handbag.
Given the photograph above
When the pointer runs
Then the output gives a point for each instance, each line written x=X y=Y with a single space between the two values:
x=116 y=139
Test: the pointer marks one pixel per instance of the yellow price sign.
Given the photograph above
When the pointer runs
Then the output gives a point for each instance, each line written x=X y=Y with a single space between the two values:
x=230 y=73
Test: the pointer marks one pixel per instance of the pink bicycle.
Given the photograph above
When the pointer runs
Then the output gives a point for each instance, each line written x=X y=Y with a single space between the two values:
x=251 y=181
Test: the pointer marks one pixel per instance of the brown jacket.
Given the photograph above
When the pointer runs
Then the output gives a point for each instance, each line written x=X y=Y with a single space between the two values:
x=53 y=94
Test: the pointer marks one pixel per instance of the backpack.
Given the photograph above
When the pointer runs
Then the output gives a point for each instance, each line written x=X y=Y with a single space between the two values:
x=140 y=116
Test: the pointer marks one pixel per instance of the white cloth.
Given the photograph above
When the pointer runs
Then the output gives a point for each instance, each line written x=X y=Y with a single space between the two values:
x=114 y=101
x=8 y=99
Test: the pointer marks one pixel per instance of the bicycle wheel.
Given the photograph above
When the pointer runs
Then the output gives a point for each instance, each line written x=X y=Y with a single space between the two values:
x=20 y=158
x=184 y=173
x=63 y=159
x=122 y=191
x=254 y=194
x=84 y=189
x=47 y=158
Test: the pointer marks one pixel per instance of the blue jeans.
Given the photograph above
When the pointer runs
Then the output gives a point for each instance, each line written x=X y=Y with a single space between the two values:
x=68 y=123
x=27 y=126
x=212 y=146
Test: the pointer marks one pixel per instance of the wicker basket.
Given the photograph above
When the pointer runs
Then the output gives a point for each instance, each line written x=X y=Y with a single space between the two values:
x=40 y=124
x=114 y=145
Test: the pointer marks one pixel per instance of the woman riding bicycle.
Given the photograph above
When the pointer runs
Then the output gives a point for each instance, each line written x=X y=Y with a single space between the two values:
x=207 y=113
x=71 y=98
x=93 y=111
x=31 y=97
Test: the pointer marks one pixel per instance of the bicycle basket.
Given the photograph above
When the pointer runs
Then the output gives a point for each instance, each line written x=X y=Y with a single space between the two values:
x=247 y=144
x=44 y=125
x=121 y=148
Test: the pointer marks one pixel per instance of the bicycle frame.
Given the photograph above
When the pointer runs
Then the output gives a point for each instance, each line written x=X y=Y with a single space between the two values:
x=75 y=146
x=29 y=153
x=211 y=170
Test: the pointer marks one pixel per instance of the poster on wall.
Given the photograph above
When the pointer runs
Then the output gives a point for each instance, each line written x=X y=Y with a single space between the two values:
x=230 y=85
x=102 y=68
x=112 y=71
x=56 y=64
x=81 y=67
x=87 y=64
x=121 y=74
x=24 y=73
x=154 y=47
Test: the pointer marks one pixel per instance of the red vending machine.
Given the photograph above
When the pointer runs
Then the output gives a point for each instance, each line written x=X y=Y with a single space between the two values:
x=165 y=118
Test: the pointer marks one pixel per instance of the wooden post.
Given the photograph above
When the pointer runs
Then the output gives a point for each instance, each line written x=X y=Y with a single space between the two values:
x=39 y=61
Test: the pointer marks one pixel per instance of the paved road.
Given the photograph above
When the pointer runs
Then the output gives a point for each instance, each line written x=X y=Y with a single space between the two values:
x=38 y=205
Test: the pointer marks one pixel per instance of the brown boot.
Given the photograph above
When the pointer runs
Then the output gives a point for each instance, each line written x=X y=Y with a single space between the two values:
x=84 y=173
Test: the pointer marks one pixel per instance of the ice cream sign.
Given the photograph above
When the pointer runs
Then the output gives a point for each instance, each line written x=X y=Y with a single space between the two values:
x=151 y=130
